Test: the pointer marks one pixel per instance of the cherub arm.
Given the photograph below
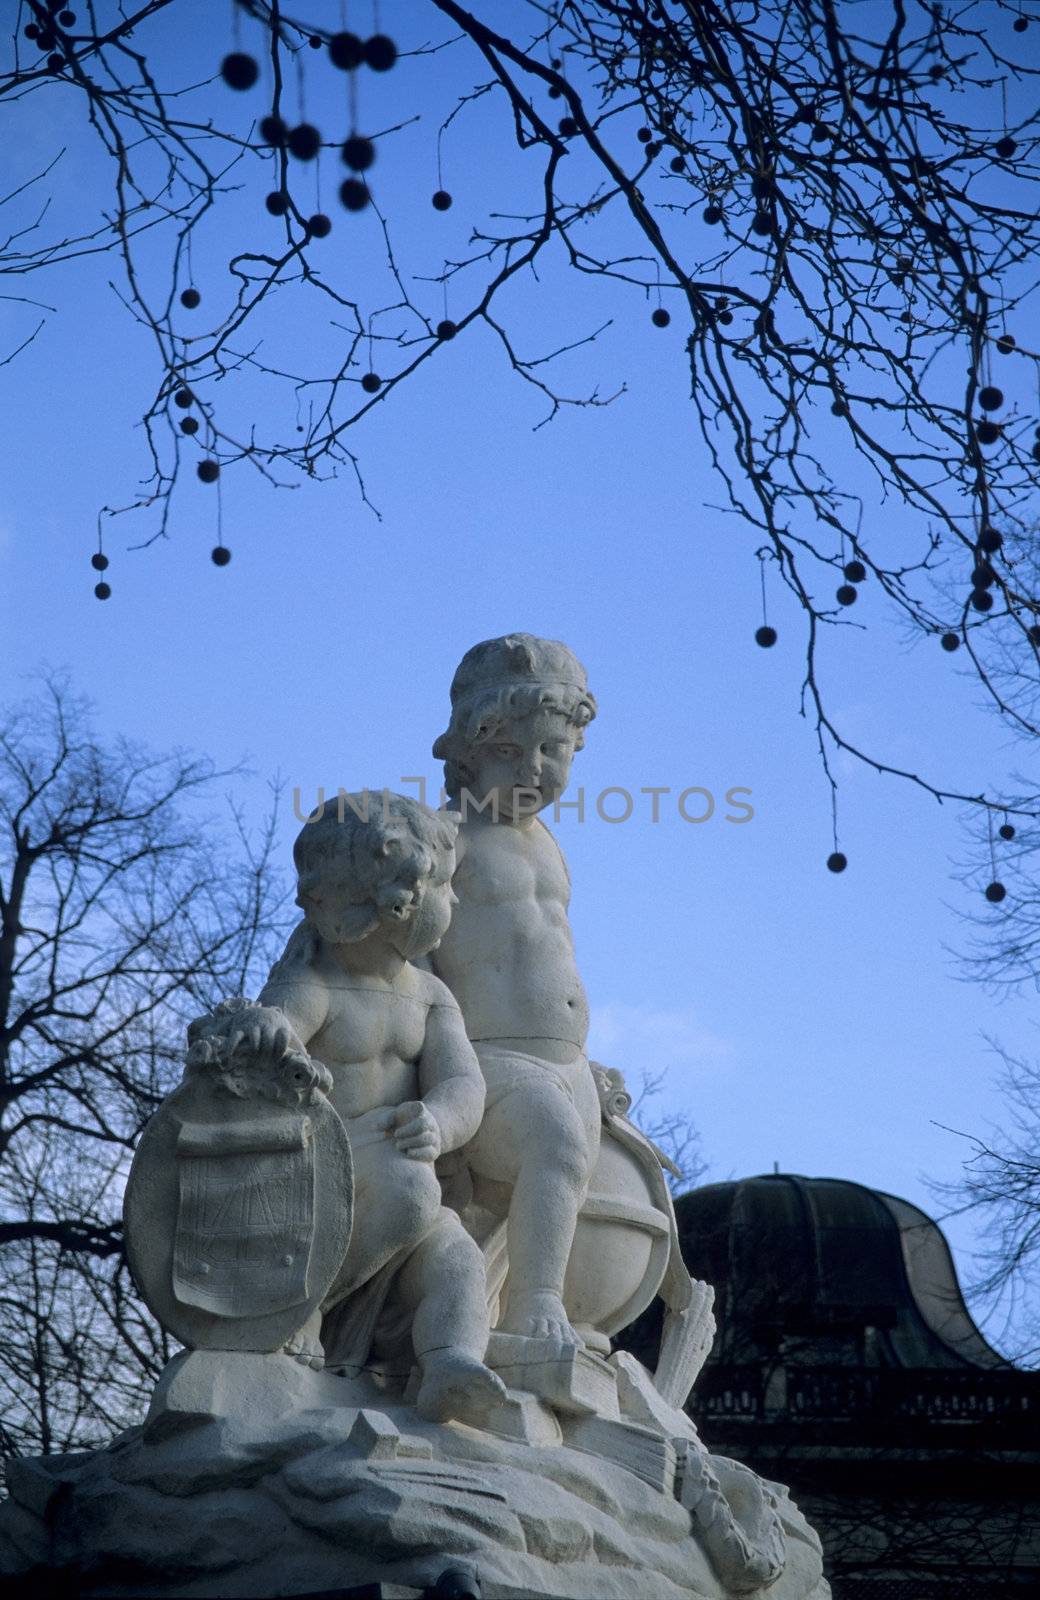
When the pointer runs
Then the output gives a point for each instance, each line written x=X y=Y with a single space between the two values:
x=296 y=988
x=450 y=1080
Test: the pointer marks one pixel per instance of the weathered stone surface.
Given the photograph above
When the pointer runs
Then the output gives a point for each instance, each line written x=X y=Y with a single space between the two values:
x=228 y=1510
x=568 y=1378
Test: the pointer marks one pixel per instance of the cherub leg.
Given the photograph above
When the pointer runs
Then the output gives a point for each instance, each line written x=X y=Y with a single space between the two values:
x=396 y=1202
x=537 y=1140
x=442 y=1282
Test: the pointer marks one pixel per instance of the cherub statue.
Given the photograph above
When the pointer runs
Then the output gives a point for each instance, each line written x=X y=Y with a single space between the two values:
x=375 y=888
x=519 y=708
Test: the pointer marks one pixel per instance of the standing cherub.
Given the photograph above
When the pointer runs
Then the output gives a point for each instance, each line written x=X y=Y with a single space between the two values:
x=519 y=708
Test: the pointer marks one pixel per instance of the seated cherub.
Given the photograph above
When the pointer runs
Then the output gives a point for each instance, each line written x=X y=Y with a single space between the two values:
x=375 y=888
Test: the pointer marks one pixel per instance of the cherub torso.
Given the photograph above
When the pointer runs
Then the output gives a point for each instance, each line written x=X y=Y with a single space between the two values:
x=372 y=1036
x=508 y=956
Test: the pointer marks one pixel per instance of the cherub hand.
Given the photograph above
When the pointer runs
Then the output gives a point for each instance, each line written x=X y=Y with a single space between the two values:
x=262 y=1034
x=416 y=1131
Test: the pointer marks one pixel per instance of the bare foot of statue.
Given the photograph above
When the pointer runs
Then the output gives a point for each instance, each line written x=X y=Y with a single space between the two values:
x=305 y=1344
x=540 y=1315
x=457 y=1387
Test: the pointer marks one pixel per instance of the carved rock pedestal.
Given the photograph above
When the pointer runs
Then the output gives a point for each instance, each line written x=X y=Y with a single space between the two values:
x=254 y=1475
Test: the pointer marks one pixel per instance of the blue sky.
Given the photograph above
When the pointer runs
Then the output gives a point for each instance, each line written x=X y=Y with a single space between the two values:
x=799 y=1017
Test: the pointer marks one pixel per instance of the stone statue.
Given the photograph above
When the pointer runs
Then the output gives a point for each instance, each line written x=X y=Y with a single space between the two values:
x=395 y=1216
x=519 y=708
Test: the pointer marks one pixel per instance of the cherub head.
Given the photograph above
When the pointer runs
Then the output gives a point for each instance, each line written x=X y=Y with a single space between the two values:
x=378 y=863
x=519 y=708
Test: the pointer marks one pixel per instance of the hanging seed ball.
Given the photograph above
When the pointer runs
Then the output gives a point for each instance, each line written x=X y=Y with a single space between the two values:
x=1020 y=24
x=315 y=42
x=1034 y=633
x=983 y=576
x=839 y=408
x=555 y=91
x=442 y=200
x=358 y=153
x=821 y=133
x=208 y=470
x=32 y=31
x=644 y=136
x=995 y=893
x=677 y=164
x=183 y=398
x=446 y=329
x=346 y=51
x=725 y=317
x=712 y=215
x=1006 y=830
x=239 y=71
x=990 y=540
x=846 y=595
x=319 y=226
x=568 y=127
x=660 y=317
x=277 y=203
x=189 y=425
x=1036 y=451
x=987 y=432
x=274 y=131
x=220 y=555
x=837 y=862
x=371 y=383
x=765 y=636
x=102 y=590
x=982 y=600
x=1005 y=148
x=380 y=52
x=354 y=194
x=67 y=18
x=990 y=398
x=762 y=223
x=855 y=571
x=1006 y=343
x=190 y=299
x=98 y=561
x=304 y=142
x=950 y=641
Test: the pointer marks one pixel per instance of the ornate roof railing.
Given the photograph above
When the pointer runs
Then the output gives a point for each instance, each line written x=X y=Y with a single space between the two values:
x=1007 y=1401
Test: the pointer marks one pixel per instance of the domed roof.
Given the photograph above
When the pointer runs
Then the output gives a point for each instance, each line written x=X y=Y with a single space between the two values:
x=828 y=1270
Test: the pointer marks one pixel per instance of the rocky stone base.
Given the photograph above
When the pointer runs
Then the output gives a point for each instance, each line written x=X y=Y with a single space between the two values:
x=255 y=1476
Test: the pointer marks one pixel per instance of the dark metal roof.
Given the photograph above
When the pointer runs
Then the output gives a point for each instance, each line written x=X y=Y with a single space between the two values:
x=828 y=1270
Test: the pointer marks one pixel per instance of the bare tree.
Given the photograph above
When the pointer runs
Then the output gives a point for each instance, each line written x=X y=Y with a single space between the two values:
x=125 y=912
x=1001 y=1185
x=833 y=203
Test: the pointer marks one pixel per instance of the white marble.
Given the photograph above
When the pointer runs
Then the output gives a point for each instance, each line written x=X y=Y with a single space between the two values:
x=396 y=1215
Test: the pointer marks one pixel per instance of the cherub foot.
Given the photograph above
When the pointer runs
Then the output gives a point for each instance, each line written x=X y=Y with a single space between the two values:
x=305 y=1347
x=540 y=1316
x=456 y=1386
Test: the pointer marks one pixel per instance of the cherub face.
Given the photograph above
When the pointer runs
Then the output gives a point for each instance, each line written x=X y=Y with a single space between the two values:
x=532 y=754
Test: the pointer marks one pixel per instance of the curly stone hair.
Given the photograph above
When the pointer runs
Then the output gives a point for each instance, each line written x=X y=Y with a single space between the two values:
x=502 y=680
x=371 y=849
